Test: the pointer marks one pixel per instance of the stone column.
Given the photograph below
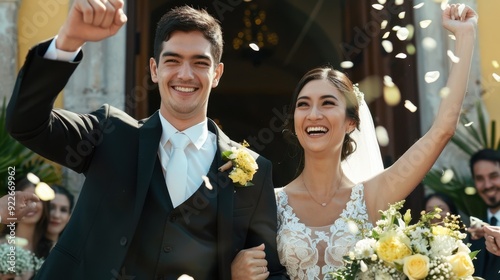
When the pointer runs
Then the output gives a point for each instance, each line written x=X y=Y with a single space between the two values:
x=99 y=79
x=8 y=47
x=438 y=60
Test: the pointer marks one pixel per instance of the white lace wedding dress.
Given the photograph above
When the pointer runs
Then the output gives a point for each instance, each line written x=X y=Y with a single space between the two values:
x=312 y=252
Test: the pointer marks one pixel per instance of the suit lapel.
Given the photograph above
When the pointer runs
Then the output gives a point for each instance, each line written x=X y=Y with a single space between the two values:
x=149 y=139
x=225 y=188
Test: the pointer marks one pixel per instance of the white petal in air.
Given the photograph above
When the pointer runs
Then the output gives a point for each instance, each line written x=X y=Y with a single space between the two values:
x=401 y=55
x=396 y=27
x=468 y=124
x=451 y=55
x=402 y=15
x=399 y=2
x=431 y=76
x=346 y=64
x=444 y=92
x=44 y=192
x=387 y=46
x=452 y=37
x=33 y=178
x=382 y=136
x=353 y=227
x=207 y=182
x=382 y=2
x=425 y=23
x=495 y=64
x=392 y=95
x=403 y=33
x=185 y=277
x=496 y=77
x=383 y=24
x=429 y=43
x=418 y=6
x=470 y=190
x=388 y=81
x=386 y=35
x=378 y=6
x=447 y=176
x=410 y=106
x=444 y=4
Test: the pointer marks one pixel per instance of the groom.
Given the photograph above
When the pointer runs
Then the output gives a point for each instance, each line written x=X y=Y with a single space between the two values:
x=131 y=221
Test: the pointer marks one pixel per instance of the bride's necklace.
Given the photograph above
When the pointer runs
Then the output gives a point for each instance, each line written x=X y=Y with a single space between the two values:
x=324 y=204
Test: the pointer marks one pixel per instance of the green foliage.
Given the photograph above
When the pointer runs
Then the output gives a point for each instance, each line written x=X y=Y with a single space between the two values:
x=461 y=189
x=15 y=155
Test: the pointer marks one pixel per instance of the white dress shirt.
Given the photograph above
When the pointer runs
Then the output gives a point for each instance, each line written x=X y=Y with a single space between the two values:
x=200 y=154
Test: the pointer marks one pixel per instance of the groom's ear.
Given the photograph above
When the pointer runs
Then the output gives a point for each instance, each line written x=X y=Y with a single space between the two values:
x=219 y=69
x=153 y=69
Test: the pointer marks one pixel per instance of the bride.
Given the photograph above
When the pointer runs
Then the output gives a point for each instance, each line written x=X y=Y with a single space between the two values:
x=313 y=209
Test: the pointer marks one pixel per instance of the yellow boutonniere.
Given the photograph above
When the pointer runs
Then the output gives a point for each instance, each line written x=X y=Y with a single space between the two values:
x=244 y=165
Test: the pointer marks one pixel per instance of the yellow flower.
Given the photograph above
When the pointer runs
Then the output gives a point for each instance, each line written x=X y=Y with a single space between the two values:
x=244 y=165
x=393 y=246
x=440 y=230
x=416 y=266
x=462 y=264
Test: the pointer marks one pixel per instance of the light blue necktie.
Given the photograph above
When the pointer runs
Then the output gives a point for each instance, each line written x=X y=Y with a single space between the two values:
x=177 y=168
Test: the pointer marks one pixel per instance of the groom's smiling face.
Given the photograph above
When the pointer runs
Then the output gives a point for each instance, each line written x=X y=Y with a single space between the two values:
x=185 y=73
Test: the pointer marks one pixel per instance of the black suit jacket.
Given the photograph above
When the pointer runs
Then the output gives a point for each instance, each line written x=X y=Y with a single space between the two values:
x=486 y=265
x=117 y=153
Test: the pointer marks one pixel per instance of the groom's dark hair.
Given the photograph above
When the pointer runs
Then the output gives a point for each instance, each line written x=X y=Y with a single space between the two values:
x=186 y=19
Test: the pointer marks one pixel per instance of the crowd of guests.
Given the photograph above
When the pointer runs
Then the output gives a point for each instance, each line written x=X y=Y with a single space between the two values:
x=39 y=230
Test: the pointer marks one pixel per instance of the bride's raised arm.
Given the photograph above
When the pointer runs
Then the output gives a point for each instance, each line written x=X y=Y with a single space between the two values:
x=399 y=180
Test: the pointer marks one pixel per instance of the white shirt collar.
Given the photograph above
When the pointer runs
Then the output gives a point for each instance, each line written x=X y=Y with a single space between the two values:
x=197 y=133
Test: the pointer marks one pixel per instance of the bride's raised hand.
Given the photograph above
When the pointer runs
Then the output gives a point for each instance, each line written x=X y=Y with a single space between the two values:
x=460 y=18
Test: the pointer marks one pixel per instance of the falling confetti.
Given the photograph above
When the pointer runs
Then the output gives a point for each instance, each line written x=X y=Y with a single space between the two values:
x=431 y=76
x=33 y=178
x=452 y=37
x=410 y=106
x=392 y=96
x=388 y=81
x=382 y=2
x=396 y=27
x=470 y=190
x=418 y=6
x=185 y=277
x=382 y=136
x=208 y=185
x=403 y=33
x=383 y=24
x=452 y=56
x=447 y=176
x=399 y=2
x=444 y=92
x=377 y=6
x=429 y=43
x=386 y=35
x=402 y=15
x=401 y=55
x=425 y=23
x=353 y=227
x=346 y=64
x=496 y=77
x=495 y=63
x=468 y=124
x=387 y=46
x=44 y=191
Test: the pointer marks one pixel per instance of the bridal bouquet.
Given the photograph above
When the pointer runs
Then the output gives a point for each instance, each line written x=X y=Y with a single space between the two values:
x=394 y=249
x=15 y=260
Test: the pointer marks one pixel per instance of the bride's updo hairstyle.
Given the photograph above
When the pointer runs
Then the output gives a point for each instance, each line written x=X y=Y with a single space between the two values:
x=340 y=81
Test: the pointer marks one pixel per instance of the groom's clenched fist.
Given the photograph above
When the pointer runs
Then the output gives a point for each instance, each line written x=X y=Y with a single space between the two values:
x=90 y=20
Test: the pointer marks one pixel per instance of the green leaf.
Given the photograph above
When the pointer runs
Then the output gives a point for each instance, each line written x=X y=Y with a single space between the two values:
x=226 y=154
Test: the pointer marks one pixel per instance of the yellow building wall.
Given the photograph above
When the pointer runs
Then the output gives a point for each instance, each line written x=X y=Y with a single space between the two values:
x=39 y=20
x=488 y=48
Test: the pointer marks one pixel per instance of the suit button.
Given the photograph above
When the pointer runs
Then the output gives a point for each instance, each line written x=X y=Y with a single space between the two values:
x=123 y=241
x=167 y=249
